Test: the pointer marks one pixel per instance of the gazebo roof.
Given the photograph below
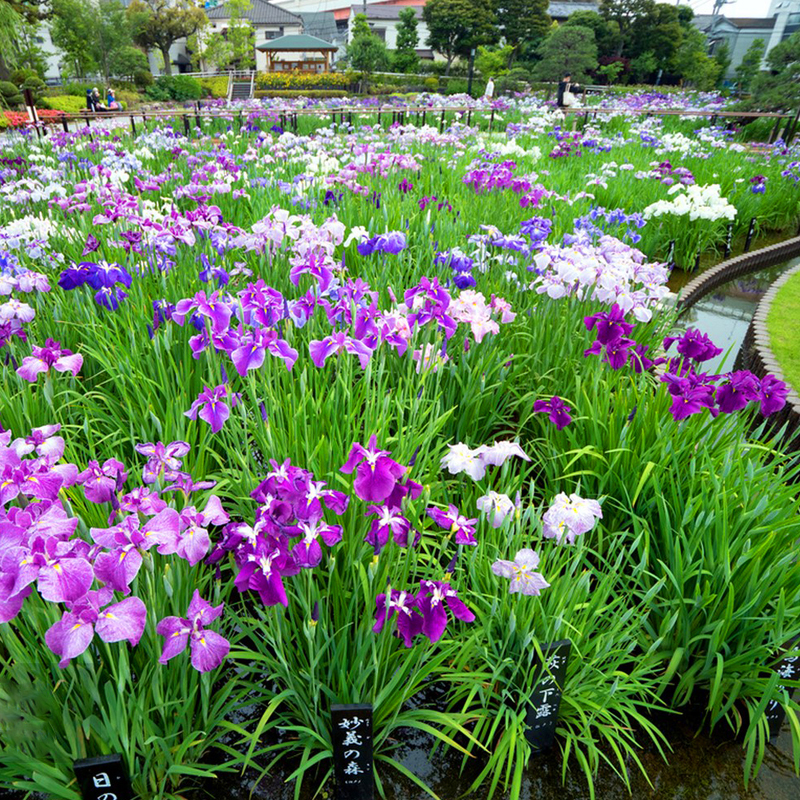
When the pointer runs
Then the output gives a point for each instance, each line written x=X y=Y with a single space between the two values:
x=297 y=42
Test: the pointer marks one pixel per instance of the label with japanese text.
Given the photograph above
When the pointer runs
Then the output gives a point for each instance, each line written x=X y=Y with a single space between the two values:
x=103 y=778
x=787 y=669
x=352 y=751
x=546 y=698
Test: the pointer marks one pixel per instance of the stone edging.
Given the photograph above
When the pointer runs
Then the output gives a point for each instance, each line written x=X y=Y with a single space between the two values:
x=757 y=356
x=737 y=267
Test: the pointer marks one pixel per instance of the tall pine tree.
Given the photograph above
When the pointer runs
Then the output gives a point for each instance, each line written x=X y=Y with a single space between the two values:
x=405 y=57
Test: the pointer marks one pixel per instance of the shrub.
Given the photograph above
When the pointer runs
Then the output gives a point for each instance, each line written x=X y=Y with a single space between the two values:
x=65 y=102
x=304 y=80
x=215 y=87
x=10 y=96
x=296 y=93
x=175 y=87
x=19 y=76
x=143 y=79
x=127 y=98
x=431 y=84
x=36 y=85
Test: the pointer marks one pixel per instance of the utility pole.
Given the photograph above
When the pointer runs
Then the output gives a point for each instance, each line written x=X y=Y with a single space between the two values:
x=714 y=18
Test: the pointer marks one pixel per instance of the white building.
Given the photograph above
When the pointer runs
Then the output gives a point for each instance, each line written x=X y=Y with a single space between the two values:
x=269 y=21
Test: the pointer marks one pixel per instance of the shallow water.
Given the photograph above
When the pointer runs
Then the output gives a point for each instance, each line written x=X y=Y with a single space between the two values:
x=725 y=315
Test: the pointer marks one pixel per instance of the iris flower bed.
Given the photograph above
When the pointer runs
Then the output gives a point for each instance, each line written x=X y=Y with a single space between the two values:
x=368 y=415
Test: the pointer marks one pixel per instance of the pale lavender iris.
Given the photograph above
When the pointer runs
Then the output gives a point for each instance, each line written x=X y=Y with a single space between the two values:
x=521 y=572
x=208 y=648
x=496 y=506
x=570 y=517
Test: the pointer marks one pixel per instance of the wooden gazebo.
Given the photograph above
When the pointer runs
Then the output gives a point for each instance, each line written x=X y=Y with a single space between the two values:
x=297 y=43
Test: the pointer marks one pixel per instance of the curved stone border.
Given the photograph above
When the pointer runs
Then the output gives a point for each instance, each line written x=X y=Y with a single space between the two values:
x=757 y=356
x=737 y=267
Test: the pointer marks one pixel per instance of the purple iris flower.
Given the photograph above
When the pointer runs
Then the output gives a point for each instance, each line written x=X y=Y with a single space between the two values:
x=100 y=484
x=37 y=479
x=406 y=608
x=429 y=301
x=610 y=325
x=110 y=297
x=694 y=345
x=392 y=243
x=214 y=307
x=338 y=342
x=161 y=459
x=104 y=275
x=211 y=407
x=253 y=346
x=92 y=614
x=389 y=521
x=208 y=648
x=432 y=598
x=183 y=482
x=689 y=396
x=263 y=569
x=615 y=353
x=51 y=355
x=557 y=410
x=405 y=186
x=307 y=553
x=455 y=522
x=773 y=394
x=376 y=472
x=739 y=390
x=641 y=363
x=91 y=245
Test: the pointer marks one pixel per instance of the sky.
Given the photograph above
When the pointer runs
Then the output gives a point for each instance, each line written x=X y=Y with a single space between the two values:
x=738 y=8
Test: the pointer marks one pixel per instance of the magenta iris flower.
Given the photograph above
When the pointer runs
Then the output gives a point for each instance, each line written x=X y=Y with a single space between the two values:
x=557 y=410
x=162 y=459
x=455 y=522
x=100 y=484
x=737 y=393
x=690 y=395
x=406 y=608
x=389 y=521
x=211 y=407
x=92 y=614
x=376 y=472
x=51 y=355
x=694 y=345
x=610 y=325
x=194 y=541
x=207 y=647
x=773 y=394
x=615 y=353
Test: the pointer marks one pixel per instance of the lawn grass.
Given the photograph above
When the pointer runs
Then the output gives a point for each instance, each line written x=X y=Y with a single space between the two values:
x=783 y=324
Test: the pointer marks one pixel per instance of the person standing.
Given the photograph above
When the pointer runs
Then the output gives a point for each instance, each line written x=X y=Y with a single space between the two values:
x=489 y=93
x=566 y=88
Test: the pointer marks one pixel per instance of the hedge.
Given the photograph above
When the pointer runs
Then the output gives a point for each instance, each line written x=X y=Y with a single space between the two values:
x=259 y=93
x=304 y=80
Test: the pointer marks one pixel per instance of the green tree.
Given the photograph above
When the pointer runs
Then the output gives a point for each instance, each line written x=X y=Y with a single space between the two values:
x=405 y=58
x=492 y=62
x=606 y=31
x=456 y=26
x=24 y=50
x=129 y=62
x=366 y=52
x=72 y=31
x=656 y=29
x=644 y=66
x=567 y=49
x=624 y=13
x=692 y=63
x=111 y=32
x=158 y=24
x=722 y=55
x=241 y=34
x=750 y=66
x=611 y=71
x=522 y=21
x=14 y=14
x=778 y=89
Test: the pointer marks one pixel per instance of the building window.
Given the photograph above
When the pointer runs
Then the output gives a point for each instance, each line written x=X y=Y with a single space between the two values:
x=271 y=35
x=380 y=33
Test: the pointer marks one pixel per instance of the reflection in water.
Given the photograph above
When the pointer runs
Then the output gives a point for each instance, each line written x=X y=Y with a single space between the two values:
x=725 y=315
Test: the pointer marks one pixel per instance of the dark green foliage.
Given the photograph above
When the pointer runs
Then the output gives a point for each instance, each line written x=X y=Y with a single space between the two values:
x=10 y=96
x=567 y=49
x=456 y=26
x=175 y=87
x=405 y=58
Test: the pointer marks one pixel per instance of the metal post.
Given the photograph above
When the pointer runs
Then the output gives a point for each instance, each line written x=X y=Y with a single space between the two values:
x=133 y=126
x=186 y=125
x=424 y=115
x=774 y=134
x=441 y=125
x=471 y=71
x=750 y=231
x=379 y=117
x=197 y=115
x=791 y=128
x=64 y=123
x=469 y=117
x=491 y=121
